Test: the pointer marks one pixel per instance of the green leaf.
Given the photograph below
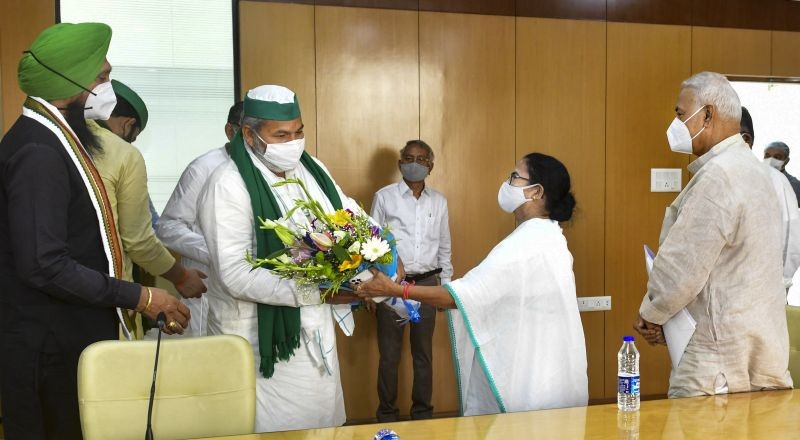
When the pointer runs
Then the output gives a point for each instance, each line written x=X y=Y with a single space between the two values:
x=340 y=252
x=277 y=254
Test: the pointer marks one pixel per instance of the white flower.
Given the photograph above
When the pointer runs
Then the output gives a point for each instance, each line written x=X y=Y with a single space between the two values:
x=339 y=235
x=375 y=248
x=354 y=248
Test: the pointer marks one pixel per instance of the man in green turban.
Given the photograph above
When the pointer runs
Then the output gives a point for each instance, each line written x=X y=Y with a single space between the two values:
x=60 y=254
x=292 y=334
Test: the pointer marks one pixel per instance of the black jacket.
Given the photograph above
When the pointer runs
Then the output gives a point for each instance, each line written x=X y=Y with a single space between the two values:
x=53 y=270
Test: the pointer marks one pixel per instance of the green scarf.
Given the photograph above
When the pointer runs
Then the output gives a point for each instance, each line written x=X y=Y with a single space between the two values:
x=278 y=326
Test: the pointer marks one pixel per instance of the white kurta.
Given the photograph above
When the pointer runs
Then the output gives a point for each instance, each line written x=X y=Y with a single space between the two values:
x=790 y=228
x=720 y=258
x=517 y=334
x=178 y=229
x=306 y=391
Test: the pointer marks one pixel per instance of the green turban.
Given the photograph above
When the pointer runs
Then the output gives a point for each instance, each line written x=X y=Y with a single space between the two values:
x=133 y=98
x=275 y=103
x=76 y=51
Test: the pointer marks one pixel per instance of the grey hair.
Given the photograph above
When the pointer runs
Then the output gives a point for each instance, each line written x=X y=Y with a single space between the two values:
x=781 y=145
x=711 y=88
x=417 y=143
x=252 y=123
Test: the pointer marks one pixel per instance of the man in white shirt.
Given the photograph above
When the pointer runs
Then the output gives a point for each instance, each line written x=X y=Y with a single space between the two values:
x=177 y=227
x=417 y=216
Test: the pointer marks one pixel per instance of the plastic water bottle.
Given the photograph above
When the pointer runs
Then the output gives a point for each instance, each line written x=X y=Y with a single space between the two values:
x=627 y=425
x=628 y=376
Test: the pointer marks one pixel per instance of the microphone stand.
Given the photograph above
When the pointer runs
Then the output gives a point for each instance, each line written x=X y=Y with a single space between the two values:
x=161 y=321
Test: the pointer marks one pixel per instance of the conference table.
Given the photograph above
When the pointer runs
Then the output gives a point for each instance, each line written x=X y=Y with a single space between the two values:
x=759 y=415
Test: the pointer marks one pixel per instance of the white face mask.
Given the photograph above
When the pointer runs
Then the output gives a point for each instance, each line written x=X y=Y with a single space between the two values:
x=679 y=137
x=512 y=197
x=774 y=163
x=283 y=157
x=100 y=104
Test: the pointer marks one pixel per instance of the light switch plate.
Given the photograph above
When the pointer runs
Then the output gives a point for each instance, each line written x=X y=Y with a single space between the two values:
x=665 y=180
x=594 y=303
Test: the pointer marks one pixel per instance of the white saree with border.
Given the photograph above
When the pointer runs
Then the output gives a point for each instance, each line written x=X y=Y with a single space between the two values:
x=517 y=336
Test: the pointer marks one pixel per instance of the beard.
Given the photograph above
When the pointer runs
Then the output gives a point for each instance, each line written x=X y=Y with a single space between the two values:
x=77 y=122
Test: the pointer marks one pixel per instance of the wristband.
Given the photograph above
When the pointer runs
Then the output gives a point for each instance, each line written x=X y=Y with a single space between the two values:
x=406 y=288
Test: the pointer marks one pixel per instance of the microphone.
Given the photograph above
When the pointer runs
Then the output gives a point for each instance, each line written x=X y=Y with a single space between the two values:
x=161 y=321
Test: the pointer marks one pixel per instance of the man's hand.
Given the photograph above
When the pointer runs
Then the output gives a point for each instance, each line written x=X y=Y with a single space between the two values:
x=653 y=333
x=177 y=313
x=192 y=285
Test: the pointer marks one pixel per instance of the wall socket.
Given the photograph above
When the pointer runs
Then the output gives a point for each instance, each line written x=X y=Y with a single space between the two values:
x=594 y=303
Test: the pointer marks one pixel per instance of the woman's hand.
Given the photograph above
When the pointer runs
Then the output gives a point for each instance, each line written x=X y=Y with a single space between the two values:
x=379 y=285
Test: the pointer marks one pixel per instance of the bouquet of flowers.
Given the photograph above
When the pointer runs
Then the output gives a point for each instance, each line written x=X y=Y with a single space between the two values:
x=332 y=249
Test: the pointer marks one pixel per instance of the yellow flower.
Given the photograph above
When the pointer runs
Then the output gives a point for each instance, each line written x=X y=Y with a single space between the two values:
x=340 y=217
x=351 y=263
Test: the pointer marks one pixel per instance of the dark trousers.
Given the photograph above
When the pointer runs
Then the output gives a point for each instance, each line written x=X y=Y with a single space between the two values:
x=40 y=393
x=390 y=342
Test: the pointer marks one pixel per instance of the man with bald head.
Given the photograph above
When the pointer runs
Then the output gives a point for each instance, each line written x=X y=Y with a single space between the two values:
x=777 y=156
x=60 y=255
x=720 y=254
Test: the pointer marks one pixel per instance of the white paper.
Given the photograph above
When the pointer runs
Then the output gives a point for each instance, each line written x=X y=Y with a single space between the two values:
x=680 y=328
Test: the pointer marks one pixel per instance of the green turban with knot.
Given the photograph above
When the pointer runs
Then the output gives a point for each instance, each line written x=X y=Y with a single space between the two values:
x=64 y=60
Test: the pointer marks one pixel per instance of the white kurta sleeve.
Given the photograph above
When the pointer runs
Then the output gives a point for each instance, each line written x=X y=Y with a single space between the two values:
x=226 y=218
x=174 y=225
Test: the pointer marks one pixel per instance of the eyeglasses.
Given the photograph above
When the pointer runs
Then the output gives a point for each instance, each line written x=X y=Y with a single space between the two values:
x=422 y=160
x=515 y=175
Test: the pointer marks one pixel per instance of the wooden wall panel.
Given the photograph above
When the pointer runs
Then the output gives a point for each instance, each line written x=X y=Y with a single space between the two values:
x=411 y=5
x=467 y=116
x=560 y=111
x=749 y=14
x=571 y=9
x=650 y=11
x=646 y=64
x=20 y=23
x=731 y=51
x=492 y=7
x=281 y=53
x=785 y=53
x=368 y=106
x=785 y=15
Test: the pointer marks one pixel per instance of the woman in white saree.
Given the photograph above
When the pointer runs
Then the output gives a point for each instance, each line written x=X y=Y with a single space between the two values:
x=516 y=334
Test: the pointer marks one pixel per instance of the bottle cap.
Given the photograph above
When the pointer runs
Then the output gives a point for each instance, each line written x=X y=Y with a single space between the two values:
x=386 y=434
x=627 y=338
